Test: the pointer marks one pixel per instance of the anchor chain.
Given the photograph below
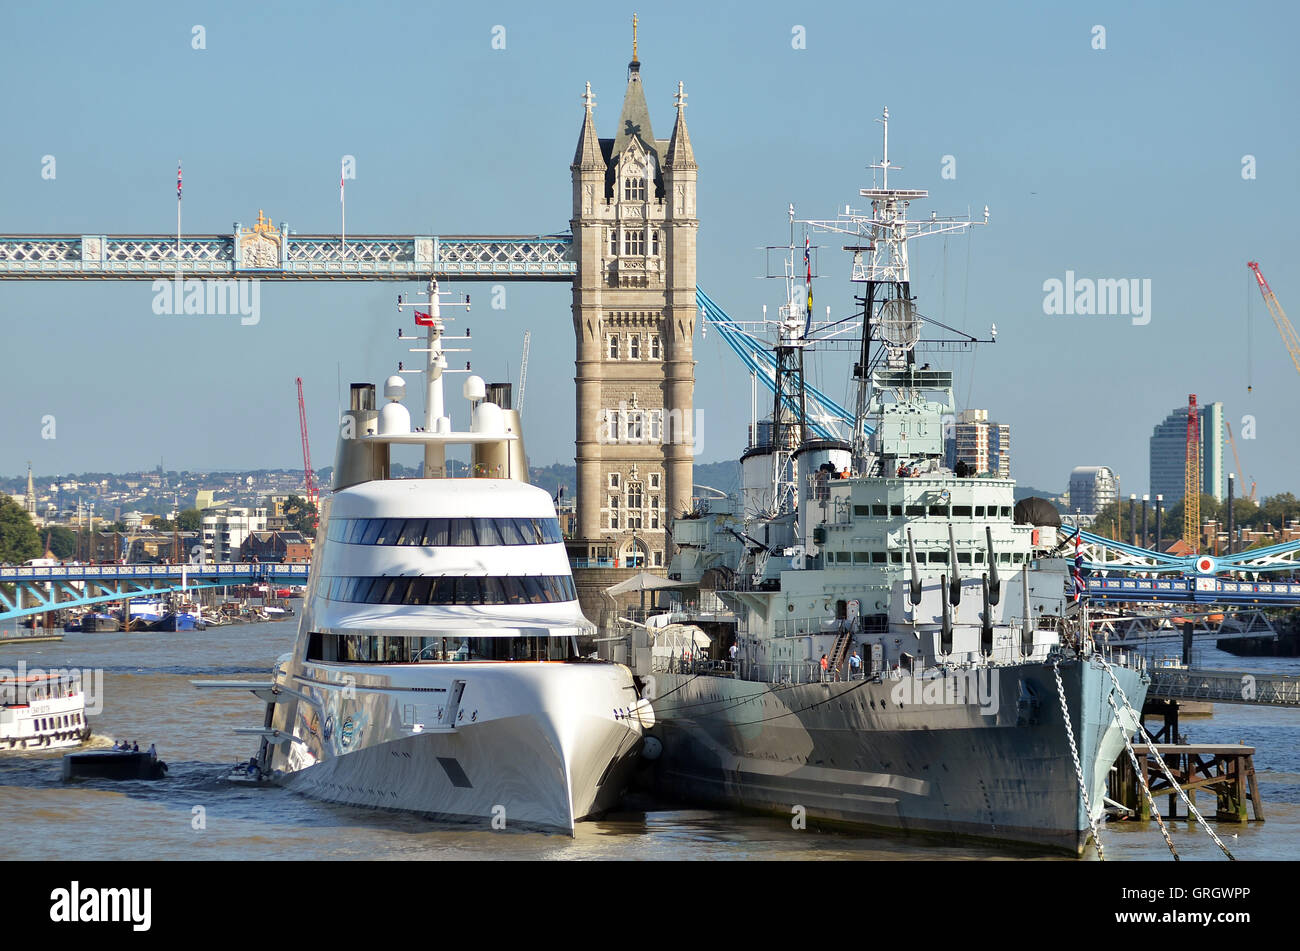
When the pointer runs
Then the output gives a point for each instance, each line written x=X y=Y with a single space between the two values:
x=1078 y=769
x=1137 y=771
x=1150 y=744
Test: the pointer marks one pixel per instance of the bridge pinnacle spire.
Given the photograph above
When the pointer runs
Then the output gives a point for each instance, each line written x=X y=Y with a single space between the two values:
x=588 y=156
x=680 y=153
x=634 y=120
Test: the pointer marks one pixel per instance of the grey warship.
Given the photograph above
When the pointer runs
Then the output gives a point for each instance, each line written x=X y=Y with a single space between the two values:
x=960 y=695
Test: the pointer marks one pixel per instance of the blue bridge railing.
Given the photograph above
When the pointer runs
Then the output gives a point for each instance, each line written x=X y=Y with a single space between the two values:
x=1201 y=589
x=229 y=573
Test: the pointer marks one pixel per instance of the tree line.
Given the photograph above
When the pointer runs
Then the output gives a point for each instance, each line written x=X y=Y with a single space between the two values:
x=1271 y=514
x=20 y=540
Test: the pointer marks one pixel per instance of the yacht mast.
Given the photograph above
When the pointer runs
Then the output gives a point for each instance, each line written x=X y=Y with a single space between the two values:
x=436 y=419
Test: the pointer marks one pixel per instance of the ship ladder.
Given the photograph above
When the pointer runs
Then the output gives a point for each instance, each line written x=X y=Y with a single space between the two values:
x=840 y=651
x=1160 y=761
x=1078 y=769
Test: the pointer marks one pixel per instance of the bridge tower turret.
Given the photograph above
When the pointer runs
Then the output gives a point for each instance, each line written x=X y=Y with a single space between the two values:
x=634 y=238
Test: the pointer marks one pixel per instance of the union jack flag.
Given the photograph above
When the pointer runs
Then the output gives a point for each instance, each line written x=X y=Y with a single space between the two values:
x=178 y=181
x=807 y=263
x=1080 y=587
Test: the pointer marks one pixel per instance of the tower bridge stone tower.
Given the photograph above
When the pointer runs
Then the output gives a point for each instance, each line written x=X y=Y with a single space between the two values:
x=634 y=237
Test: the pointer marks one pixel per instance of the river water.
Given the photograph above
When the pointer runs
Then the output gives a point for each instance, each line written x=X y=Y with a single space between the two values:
x=196 y=814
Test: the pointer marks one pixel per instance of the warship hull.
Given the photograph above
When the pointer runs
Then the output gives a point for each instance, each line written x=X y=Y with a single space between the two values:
x=895 y=755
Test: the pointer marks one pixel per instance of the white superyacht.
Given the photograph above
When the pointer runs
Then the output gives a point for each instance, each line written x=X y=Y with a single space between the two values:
x=436 y=668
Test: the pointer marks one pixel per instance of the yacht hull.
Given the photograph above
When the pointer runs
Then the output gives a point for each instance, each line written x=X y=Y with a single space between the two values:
x=534 y=746
x=504 y=770
x=884 y=756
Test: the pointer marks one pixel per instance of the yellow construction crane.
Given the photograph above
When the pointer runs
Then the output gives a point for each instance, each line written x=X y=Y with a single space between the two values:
x=1236 y=458
x=1192 y=483
x=1284 y=327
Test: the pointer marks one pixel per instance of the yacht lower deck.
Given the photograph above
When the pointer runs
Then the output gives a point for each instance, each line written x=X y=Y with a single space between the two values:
x=517 y=745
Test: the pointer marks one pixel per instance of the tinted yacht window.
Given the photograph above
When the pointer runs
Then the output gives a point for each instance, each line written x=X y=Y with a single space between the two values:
x=440 y=532
x=501 y=589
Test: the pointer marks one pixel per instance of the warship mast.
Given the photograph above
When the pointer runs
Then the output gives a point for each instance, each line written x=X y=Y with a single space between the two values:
x=881 y=263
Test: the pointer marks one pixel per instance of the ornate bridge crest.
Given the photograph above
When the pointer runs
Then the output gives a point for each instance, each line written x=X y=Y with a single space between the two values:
x=262 y=247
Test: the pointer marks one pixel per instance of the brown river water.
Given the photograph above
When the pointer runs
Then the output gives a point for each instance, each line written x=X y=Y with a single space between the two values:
x=196 y=814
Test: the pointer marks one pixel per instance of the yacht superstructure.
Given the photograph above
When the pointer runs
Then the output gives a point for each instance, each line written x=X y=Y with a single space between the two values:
x=436 y=668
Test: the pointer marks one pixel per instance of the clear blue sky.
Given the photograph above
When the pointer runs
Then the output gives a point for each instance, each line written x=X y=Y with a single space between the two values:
x=1117 y=163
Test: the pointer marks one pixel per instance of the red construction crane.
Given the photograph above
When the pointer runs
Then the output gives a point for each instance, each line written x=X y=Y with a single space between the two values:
x=306 y=454
x=1289 y=337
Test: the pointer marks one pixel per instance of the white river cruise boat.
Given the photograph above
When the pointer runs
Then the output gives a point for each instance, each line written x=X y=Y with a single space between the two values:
x=436 y=668
x=42 y=710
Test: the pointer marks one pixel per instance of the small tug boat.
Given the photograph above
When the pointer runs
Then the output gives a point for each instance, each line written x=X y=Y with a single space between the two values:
x=96 y=623
x=113 y=764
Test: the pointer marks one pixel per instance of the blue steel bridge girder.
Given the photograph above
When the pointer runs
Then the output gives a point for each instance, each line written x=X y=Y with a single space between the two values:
x=1106 y=555
x=277 y=254
x=102 y=583
x=1123 y=573
x=1204 y=590
x=826 y=418
x=28 y=592
x=221 y=573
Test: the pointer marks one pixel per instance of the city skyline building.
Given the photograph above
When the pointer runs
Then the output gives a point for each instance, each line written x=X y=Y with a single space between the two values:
x=1168 y=454
x=983 y=445
x=226 y=528
x=1092 y=488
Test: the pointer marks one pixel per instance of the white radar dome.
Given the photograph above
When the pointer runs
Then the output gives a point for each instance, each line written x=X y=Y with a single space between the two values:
x=488 y=418
x=394 y=388
x=474 y=388
x=394 y=418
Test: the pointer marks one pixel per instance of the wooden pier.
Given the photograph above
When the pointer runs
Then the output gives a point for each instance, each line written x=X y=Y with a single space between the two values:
x=1226 y=770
